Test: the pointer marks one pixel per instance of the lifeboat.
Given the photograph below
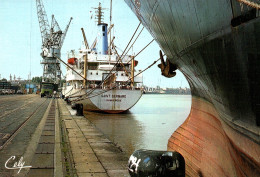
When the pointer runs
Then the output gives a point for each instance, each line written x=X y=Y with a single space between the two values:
x=72 y=61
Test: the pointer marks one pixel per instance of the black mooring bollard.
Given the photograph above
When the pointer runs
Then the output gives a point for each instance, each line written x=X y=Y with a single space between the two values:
x=73 y=106
x=79 y=108
x=67 y=100
x=156 y=163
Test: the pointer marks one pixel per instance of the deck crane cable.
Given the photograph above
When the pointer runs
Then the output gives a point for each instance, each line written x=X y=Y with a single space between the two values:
x=76 y=73
x=112 y=41
x=131 y=39
x=129 y=80
x=135 y=55
x=119 y=60
x=71 y=96
x=87 y=47
x=119 y=49
x=245 y=1
x=141 y=51
x=108 y=75
x=131 y=59
x=135 y=40
x=144 y=48
x=70 y=67
x=72 y=70
x=128 y=51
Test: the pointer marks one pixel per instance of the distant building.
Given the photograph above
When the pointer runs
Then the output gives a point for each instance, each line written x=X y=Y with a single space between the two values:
x=174 y=91
x=4 y=84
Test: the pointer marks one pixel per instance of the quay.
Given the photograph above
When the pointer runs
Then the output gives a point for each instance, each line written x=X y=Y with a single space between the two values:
x=48 y=139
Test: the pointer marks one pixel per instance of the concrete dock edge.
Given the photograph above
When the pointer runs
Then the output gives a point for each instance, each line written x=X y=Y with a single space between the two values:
x=58 y=169
x=93 y=154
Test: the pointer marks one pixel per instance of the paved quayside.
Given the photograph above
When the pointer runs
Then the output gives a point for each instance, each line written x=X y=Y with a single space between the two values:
x=93 y=154
x=42 y=133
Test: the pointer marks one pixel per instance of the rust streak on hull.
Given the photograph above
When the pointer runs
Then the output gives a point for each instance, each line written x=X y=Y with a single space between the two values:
x=206 y=143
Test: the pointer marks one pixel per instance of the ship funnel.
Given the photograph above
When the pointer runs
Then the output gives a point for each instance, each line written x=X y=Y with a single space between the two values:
x=103 y=44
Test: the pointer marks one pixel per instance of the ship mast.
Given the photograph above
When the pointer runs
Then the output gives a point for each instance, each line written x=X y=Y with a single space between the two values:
x=99 y=14
x=111 y=29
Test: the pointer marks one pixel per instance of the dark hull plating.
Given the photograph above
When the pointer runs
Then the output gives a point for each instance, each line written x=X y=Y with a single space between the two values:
x=222 y=65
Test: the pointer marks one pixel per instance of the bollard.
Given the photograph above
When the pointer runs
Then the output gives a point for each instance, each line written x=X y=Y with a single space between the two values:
x=79 y=108
x=67 y=100
x=156 y=163
x=73 y=106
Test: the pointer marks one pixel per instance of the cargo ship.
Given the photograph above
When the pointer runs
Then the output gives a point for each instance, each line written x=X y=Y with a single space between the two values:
x=216 y=45
x=99 y=78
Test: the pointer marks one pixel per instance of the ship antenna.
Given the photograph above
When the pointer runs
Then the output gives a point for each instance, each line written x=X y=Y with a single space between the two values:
x=99 y=14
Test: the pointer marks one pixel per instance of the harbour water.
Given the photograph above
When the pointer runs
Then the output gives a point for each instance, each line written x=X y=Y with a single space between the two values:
x=148 y=125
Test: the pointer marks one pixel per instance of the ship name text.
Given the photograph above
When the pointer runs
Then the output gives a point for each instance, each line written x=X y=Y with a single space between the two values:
x=113 y=96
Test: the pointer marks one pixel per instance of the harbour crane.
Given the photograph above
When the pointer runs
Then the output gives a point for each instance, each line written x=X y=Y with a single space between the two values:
x=52 y=41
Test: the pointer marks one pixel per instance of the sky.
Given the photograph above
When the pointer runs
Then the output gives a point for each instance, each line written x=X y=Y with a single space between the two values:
x=20 y=37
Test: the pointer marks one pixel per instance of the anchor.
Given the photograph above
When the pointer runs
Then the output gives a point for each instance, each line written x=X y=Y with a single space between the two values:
x=168 y=69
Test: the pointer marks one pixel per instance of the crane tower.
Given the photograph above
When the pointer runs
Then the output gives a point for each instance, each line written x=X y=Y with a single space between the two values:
x=52 y=41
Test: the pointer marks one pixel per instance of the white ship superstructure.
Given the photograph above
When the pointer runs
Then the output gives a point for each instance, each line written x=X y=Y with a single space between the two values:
x=108 y=83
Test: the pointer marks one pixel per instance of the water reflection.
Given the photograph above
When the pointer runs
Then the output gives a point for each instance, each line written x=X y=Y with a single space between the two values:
x=122 y=129
x=149 y=124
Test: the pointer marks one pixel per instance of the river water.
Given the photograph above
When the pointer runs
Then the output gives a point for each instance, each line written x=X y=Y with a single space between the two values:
x=148 y=125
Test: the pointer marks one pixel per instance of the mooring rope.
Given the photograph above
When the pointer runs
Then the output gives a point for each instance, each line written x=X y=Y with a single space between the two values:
x=89 y=92
x=104 y=91
x=135 y=40
x=250 y=3
x=120 y=57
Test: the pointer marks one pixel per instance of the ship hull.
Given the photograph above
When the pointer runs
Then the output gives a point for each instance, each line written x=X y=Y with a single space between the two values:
x=110 y=101
x=211 y=147
x=221 y=63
